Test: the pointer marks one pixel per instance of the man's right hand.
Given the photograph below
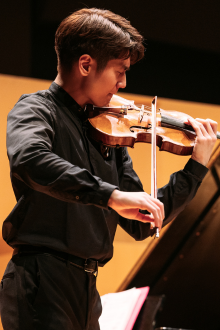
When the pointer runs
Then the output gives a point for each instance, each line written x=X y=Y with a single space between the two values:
x=128 y=204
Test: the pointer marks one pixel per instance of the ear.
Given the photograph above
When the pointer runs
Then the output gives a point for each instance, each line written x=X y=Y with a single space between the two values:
x=86 y=63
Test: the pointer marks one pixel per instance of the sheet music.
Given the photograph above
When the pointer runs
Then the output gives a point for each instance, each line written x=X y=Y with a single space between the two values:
x=120 y=310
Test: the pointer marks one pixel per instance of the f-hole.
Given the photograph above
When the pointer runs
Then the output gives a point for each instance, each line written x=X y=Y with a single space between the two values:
x=139 y=128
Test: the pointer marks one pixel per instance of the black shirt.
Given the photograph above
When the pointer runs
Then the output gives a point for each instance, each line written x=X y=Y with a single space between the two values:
x=62 y=182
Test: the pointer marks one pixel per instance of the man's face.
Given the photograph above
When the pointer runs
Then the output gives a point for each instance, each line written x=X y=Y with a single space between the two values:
x=101 y=85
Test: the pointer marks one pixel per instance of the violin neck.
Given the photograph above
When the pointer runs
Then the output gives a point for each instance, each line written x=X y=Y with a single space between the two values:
x=172 y=122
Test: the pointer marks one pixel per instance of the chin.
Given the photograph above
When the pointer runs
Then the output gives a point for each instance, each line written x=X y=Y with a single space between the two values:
x=109 y=100
x=104 y=103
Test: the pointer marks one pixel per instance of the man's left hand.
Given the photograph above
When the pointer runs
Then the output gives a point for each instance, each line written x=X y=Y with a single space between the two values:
x=206 y=131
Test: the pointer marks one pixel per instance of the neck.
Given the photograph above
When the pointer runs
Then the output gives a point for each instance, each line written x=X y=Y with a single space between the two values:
x=72 y=83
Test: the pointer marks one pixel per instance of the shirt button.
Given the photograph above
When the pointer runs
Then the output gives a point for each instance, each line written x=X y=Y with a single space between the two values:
x=77 y=197
x=101 y=202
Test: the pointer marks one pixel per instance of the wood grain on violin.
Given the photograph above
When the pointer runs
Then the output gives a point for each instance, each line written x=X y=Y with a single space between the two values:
x=127 y=124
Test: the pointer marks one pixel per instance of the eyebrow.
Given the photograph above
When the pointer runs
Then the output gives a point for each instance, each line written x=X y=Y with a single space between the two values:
x=126 y=68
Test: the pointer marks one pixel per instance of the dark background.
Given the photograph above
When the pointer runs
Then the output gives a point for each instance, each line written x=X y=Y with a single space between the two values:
x=182 y=41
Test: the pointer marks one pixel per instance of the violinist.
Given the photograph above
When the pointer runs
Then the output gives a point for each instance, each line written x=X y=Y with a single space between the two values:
x=70 y=196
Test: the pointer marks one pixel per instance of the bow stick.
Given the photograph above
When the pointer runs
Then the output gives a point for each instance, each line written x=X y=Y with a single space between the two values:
x=153 y=158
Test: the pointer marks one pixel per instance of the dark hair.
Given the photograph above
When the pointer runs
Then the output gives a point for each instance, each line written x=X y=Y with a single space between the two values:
x=99 y=33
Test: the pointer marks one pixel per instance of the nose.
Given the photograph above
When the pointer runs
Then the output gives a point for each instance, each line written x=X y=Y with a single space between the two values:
x=122 y=83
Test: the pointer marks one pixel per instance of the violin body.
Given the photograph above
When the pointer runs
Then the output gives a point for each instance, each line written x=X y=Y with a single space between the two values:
x=124 y=130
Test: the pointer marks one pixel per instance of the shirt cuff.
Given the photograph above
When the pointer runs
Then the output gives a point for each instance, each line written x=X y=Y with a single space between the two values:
x=196 y=169
x=103 y=195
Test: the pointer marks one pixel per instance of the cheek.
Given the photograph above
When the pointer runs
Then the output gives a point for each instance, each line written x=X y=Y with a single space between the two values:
x=109 y=82
x=109 y=76
x=104 y=84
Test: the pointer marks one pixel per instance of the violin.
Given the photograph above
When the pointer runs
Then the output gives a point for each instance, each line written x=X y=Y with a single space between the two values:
x=122 y=124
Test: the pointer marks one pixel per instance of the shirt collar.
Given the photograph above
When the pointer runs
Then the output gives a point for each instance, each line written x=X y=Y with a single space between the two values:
x=67 y=100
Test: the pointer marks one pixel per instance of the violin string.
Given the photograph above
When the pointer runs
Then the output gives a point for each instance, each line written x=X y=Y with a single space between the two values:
x=146 y=111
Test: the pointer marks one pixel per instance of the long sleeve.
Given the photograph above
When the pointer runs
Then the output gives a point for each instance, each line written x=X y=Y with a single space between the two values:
x=179 y=191
x=31 y=136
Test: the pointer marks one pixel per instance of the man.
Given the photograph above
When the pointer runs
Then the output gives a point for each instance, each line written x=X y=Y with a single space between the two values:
x=70 y=198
